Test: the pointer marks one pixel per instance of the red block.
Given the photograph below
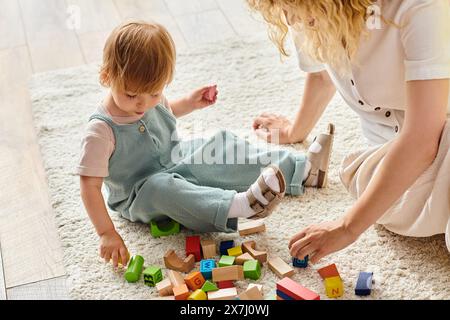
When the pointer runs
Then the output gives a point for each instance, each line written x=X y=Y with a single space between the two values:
x=295 y=290
x=329 y=272
x=225 y=284
x=193 y=247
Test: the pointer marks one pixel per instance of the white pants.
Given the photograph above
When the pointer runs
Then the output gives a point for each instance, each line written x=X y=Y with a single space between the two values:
x=424 y=209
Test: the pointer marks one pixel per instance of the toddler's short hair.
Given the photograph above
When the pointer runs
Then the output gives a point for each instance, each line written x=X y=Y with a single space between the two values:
x=138 y=57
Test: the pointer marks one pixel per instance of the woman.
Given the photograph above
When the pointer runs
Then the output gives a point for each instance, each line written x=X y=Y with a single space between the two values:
x=390 y=61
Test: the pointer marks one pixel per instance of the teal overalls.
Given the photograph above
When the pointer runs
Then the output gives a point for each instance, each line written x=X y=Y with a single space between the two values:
x=154 y=175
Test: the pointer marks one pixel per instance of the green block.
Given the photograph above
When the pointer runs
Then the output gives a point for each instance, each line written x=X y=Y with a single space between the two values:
x=252 y=269
x=134 y=269
x=226 y=261
x=209 y=286
x=152 y=276
x=164 y=228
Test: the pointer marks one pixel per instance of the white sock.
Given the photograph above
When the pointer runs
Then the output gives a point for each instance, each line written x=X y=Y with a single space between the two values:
x=240 y=206
x=308 y=167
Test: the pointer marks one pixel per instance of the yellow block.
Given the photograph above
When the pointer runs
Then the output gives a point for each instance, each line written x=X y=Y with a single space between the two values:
x=198 y=295
x=235 y=252
x=334 y=287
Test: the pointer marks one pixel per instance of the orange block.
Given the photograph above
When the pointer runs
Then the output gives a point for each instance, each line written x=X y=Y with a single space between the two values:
x=181 y=292
x=329 y=272
x=195 y=280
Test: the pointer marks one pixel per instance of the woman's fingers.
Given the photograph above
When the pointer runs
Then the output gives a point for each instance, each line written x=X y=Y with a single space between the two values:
x=317 y=256
x=296 y=237
x=264 y=134
x=307 y=250
x=299 y=245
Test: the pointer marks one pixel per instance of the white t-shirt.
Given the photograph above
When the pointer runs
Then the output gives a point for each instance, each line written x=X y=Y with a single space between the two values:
x=389 y=58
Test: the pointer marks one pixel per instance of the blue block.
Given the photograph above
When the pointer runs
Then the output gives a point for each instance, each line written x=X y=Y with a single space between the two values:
x=224 y=246
x=284 y=296
x=300 y=263
x=364 y=284
x=206 y=268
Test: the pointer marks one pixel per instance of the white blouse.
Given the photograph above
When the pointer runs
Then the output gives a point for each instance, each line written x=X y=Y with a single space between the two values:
x=390 y=57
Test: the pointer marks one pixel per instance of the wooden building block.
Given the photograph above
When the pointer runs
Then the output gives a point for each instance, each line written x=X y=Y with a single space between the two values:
x=134 y=269
x=152 y=275
x=194 y=280
x=198 y=295
x=209 y=249
x=165 y=288
x=334 y=287
x=228 y=273
x=193 y=247
x=224 y=246
x=206 y=268
x=223 y=294
x=250 y=247
x=181 y=292
x=164 y=228
x=225 y=284
x=283 y=297
x=329 y=271
x=252 y=270
x=294 y=290
x=280 y=268
x=175 y=278
x=174 y=262
x=364 y=284
x=251 y=227
x=165 y=298
x=243 y=258
x=251 y=294
x=209 y=286
x=235 y=252
x=298 y=263
x=259 y=286
x=226 y=261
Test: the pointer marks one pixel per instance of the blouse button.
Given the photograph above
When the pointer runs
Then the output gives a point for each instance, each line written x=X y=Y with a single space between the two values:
x=353 y=82
x=361 y=102
x=377 y=109
x=142 y=129
x=388 y=114
x=396 y=129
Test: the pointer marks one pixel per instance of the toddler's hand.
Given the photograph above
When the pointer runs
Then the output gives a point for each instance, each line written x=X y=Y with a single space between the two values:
x=203 y=97
x=113 y=247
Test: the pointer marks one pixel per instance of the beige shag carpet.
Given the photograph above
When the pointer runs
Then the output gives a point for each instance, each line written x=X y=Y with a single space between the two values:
x=252 y=79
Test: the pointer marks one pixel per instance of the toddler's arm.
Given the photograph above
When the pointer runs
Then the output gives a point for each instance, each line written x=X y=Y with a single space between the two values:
x=198 y=99
x=111 y=244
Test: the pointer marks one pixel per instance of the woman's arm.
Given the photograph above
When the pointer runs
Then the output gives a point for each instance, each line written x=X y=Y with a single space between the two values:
x=409 y=156
x=318 y=92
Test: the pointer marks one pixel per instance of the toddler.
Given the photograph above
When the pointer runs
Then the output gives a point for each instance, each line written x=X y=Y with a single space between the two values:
x=131 y=146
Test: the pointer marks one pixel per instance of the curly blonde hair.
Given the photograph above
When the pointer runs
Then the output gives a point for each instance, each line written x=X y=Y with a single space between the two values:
x=332 y=28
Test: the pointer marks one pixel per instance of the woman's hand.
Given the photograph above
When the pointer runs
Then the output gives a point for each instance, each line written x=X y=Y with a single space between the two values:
x=320 y=240
x=113 y=247
x=203 y=97
x=273 y=128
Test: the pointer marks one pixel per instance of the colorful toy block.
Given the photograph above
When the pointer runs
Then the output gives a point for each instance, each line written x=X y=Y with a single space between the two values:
x=206 y=268
x=223 y=294
x=251 y=227
x=208 y=286
x=298 y=263
x=259 y=286
x=226 y=261
x=225 y=284
x=280 y=268
x=175 y=278
x=193 y=247
x=208 y=249
x=295 y=291
x=243 y=258
x=328 y=271
x=364 y=284
x=165 y=288
x=164 y=228
x=334 y=287
x=134 y=269
x=252 y=269
x=152 y=276
x=252 y=293
x=283 y=297
x=198 y=295
x=120 y=259
x=250 y=247
x=228 y=273
x=194 y=280
x=181 y=292
x=174 y=262
x=224 y=246
x=235 y=252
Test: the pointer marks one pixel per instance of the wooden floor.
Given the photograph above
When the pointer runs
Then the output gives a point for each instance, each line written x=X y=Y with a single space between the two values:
x=43 y=35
